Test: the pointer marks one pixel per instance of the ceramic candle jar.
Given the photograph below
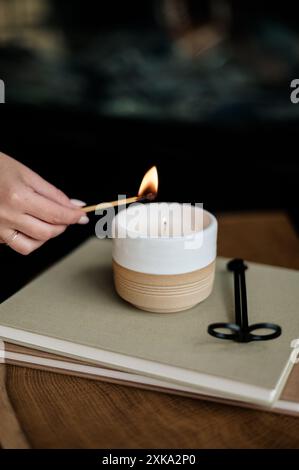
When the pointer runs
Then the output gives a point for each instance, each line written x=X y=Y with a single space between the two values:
x=164 y=256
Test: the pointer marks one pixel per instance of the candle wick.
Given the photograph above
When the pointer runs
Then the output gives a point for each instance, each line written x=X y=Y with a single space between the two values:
x=164 y=225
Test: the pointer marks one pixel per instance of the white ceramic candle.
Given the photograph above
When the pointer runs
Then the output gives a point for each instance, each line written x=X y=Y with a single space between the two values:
x=164 y=255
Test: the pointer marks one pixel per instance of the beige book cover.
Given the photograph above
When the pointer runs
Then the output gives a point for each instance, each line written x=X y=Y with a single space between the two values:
x=73 y=310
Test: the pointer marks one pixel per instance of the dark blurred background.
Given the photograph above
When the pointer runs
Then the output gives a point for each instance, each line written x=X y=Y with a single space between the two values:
x=97 y=92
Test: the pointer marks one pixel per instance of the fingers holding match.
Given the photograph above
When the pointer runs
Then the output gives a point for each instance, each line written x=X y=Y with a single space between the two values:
x=53 y=213
x=32 y=210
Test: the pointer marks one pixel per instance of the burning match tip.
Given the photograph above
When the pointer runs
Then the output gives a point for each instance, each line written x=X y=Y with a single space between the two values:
x=150 y=196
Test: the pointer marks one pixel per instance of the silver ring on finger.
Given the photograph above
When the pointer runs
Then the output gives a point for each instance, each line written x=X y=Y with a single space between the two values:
x=12 y=238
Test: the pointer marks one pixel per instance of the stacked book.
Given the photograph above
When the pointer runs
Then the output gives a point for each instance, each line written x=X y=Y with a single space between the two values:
x=70 y=320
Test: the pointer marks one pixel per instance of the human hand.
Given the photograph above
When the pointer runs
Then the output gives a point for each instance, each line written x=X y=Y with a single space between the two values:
x=32 y=211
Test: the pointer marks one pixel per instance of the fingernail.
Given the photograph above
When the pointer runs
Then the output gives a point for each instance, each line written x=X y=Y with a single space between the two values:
x=78 y=203
x=84 y=220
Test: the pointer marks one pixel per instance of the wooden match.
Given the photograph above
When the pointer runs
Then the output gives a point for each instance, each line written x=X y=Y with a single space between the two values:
x=119 y=202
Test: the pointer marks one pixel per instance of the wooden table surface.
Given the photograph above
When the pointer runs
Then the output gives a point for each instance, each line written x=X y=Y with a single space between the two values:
x=47 y=410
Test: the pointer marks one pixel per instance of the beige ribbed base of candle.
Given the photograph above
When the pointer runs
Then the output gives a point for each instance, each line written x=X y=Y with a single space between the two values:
x=161 y=293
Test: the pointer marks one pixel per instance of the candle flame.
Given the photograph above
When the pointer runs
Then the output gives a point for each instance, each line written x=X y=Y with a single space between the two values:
x=149 y=184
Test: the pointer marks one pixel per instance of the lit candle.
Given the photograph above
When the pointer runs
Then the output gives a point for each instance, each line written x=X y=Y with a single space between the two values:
x=164 y=255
